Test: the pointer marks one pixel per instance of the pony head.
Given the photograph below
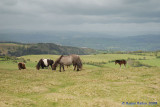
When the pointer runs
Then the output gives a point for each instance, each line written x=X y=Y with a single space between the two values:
x=24 y=66
x=116 y=61
x=79 y=64
x=38 y=65
x=54 y=66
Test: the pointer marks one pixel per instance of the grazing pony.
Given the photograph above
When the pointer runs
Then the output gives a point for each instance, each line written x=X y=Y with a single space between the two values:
x=121 y=62
x=68 y=60
x=44 y=63
x=21 y=65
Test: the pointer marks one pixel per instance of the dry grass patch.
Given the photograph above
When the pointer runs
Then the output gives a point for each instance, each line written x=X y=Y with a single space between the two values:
x=59 y=96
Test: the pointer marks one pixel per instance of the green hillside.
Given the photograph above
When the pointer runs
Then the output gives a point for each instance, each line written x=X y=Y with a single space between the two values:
x=19 y=49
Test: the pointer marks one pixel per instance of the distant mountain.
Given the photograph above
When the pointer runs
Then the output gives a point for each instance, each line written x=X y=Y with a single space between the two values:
x=20 y=49
x=94 y=41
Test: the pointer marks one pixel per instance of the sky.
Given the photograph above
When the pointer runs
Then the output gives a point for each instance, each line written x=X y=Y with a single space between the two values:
x=110 y=17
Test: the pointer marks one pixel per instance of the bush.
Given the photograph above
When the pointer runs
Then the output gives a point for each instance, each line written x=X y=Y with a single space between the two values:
x=7 y=57
x=111 y=61
x=14 y=58
x=99 y=64
x=15 y=61
x=22 y=60
x=134 y=63
x=28 y=59
x=158 y=57
x=131 y=59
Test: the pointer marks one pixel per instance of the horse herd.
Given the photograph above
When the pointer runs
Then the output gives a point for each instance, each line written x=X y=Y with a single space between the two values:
x=63 y=61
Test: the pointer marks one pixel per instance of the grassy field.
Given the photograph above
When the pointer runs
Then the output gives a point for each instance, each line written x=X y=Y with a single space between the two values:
x=101 y=83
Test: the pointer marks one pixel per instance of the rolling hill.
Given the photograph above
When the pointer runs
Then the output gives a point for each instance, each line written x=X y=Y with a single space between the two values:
x=89 y=40
x=19 y=49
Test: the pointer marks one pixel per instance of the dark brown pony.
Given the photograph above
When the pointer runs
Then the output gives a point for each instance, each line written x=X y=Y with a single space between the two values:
x=120 y=62
x=67 y=61
x=21 y=65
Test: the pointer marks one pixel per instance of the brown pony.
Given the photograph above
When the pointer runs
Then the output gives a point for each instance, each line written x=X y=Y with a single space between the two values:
x=21 y=65
x=68 y=60
x=121 y=62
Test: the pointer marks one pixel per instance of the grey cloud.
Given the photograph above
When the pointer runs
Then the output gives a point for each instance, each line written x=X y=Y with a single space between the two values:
x=136 y=1
x=68 y=14
x=9 y=2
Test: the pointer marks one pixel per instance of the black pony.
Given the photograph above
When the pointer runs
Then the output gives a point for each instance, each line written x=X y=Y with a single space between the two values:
x=44 y=63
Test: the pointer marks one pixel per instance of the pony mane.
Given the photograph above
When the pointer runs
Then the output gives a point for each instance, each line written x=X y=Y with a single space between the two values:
x=58 y=60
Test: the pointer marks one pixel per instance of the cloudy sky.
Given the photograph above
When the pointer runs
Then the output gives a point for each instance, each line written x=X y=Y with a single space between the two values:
x=113 y=17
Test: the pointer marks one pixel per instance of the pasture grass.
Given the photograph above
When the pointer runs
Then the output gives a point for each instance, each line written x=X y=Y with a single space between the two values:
x=152 y=62
x=95 y=86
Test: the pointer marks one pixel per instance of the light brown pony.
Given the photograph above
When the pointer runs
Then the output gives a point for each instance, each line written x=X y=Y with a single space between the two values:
x=21 y=65
x=68 y=60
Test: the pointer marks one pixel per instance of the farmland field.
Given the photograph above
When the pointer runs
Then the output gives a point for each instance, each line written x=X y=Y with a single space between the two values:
x=101 y=83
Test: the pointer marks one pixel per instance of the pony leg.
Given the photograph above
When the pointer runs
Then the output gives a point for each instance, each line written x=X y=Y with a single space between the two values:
x=77 y=68
x=125 y=65
x=42 y=67
x=51 y=66
x=63 y=68
x=74 y=67
x=60 y=68
x=48 y=67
